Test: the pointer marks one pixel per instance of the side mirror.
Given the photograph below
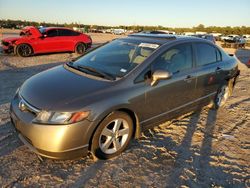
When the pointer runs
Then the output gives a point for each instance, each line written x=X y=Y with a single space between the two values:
x=160 y=75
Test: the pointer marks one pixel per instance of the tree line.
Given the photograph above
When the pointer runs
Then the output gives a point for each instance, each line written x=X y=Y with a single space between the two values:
x=18 y=24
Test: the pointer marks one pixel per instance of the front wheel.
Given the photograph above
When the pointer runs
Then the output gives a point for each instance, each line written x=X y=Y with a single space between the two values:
x=112 y=135
x=80 y=48
x=24 y=50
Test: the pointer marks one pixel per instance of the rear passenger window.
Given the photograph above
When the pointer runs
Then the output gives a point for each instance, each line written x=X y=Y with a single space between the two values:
x=73 y=33
x=207 y=54
x=64 y=32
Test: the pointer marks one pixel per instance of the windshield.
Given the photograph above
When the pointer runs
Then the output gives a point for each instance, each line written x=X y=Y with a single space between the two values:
x=117 y=58
x=42 y=30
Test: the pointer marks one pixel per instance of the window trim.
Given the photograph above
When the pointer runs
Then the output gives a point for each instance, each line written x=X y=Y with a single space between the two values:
x=220 y=55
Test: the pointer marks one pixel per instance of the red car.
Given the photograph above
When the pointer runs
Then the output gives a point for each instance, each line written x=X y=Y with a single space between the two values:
x=47 y=40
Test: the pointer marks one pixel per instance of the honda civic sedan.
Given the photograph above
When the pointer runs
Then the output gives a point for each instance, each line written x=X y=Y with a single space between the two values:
x=46 y=40
x=100 y=101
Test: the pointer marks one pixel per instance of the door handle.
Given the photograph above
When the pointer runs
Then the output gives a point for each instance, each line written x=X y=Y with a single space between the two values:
x=189 y=78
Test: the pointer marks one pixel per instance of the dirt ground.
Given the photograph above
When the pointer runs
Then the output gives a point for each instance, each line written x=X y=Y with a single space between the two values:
x=207 y=148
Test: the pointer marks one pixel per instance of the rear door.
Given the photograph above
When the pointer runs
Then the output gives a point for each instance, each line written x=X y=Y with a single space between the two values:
x=176 y=93
x=209 y=69
x=67 y=39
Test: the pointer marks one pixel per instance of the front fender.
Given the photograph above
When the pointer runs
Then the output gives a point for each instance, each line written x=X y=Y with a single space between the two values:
x=99 y=115
x=18 y=43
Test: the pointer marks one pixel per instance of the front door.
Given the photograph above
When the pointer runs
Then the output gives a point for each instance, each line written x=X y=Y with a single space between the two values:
x=49 y=43
x=178 y=92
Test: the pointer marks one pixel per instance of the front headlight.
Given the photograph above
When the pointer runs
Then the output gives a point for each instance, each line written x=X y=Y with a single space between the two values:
x=60 y=117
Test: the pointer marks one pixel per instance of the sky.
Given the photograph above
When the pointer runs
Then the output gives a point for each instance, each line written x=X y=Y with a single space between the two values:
x=167 y=13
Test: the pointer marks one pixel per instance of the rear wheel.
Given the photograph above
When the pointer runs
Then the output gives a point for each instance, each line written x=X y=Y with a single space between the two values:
x=24 y=50
x=80 y=48
x=223 y=93
x=112 y=136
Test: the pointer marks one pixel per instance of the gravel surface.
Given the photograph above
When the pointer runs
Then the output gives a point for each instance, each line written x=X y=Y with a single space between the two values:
x=207 y=148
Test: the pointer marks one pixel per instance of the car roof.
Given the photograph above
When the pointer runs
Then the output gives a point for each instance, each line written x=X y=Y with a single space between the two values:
x=48 y=28
x=161 y=38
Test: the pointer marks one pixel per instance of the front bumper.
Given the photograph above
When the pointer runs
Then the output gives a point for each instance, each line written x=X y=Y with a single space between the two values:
x=51 y=141
x=89 y=45
x=7 y=47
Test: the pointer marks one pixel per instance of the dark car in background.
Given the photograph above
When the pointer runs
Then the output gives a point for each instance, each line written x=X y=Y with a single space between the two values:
x=46 y=40
x=237 y=40
x=105 y=98
x=233 y=41
x=158 y=32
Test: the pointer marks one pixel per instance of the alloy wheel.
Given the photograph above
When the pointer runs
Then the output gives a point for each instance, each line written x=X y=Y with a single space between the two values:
x=114 y=136
x=80 y=48
x=222 y=95
x=24 y=50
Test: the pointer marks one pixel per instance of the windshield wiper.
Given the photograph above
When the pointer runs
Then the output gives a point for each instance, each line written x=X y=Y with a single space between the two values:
x=96 y=72
x=87 y=69
x=70 y=64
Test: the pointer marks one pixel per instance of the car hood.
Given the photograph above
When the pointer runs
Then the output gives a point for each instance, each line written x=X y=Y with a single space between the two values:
x=56 y=88
x=32 y=30
x=11 y=39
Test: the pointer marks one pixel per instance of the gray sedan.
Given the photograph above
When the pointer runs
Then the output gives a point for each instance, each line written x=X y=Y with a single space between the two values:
x=103 y=99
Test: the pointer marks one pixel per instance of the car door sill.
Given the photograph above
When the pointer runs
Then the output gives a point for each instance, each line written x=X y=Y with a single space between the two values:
x=177 y=108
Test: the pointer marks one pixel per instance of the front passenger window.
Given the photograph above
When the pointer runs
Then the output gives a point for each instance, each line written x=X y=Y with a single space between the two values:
x=52 y=33
x=176 y=59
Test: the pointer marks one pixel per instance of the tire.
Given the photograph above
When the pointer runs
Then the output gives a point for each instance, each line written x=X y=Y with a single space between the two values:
x=112 y=136
x=223 y=93
x=24 y=50
x=80 y=48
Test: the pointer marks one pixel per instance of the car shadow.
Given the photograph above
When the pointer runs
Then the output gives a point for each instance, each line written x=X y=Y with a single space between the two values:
x=50 y=53
x=184 y=152
x=195 y=164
